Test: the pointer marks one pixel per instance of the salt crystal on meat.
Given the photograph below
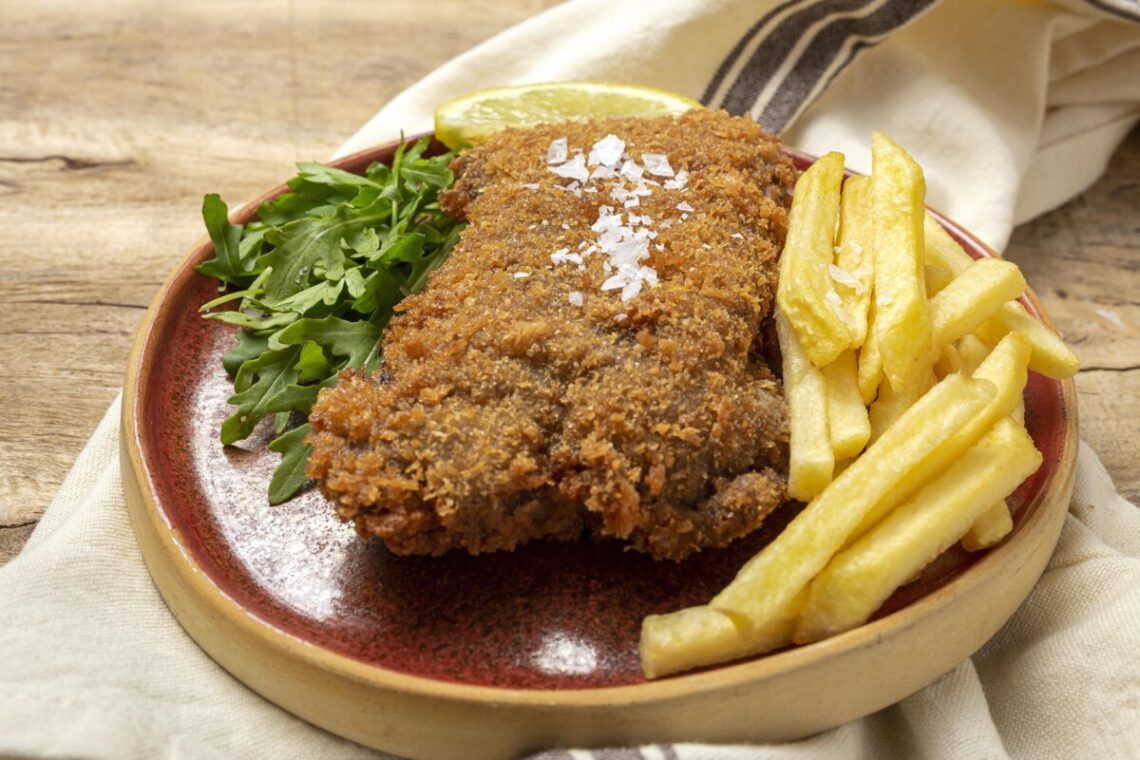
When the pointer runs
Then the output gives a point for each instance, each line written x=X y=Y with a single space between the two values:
x=607 y=151
x=678 y=182
x=575 y=168
x=657 y=164
x=557 y=152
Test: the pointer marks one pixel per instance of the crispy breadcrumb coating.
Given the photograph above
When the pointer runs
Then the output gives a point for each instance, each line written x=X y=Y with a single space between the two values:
x=506 y=412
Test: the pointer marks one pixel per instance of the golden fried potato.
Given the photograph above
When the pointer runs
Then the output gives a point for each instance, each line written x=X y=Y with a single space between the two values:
x=1050 y=357
x=854 y=271
x=992 y=526
x=698 y=636
x=776 y=575
x=973 y=351
x=847 y=421
x=950 y=361
x=810 y=459
x=806 y=291
x=870 y=375
x=973 y=296
x=936 y=279
x=902 y=317
x=859 y=580
x=1006 y=367
x=892 y=404
x=942 y=250
x=1004 y=372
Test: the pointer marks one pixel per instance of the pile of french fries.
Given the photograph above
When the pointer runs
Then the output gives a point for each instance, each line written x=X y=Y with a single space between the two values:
x=904 y=363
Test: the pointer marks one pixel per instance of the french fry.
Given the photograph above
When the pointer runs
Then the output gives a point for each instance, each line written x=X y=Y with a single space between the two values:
x=992 y=526
x=1004 y=370
x=870 y=361
x=810 y=461
x=697 y=636
x=859 y=580
x=902 y=318
x=806 y=291
x=1051 y=357
x=942 y=250
x=1008 y=361
x=959 y=308
x=973 y=351
x=847 y=422
x=892 y=404
x=949 y=362
x=855 y=255
x=1005 y=366
x=936 y=279
x=973 y=296
x=776 y=575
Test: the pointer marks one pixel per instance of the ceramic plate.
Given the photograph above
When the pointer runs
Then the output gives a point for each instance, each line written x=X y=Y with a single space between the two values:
x=501 y=654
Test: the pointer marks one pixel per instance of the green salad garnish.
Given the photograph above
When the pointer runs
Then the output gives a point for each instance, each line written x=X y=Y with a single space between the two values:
x=316 y=279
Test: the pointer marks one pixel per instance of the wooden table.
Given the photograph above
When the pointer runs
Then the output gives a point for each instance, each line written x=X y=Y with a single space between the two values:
x=115 y=118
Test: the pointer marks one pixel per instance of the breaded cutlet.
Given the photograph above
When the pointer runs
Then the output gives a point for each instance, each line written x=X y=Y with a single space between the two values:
x=543 y=385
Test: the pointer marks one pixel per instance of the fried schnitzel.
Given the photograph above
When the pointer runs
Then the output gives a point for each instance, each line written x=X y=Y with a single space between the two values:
x=589 y=358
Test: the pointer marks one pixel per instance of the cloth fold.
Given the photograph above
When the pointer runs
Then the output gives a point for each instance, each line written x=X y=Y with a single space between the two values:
x=1012 y=108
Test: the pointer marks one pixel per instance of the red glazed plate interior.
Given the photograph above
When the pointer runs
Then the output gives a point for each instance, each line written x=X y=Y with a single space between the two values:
x=547 y=616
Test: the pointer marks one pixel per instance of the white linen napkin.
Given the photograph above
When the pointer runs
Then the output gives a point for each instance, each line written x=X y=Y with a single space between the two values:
x=1012 y=108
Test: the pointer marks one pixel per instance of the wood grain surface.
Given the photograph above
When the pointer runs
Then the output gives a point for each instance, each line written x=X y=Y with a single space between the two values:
x=115 y=118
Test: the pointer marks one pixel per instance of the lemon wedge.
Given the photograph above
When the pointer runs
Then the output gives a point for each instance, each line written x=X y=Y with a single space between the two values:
x=469 y=119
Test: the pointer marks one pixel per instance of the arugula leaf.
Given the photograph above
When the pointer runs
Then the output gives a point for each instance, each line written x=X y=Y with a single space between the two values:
x=257 y=381
x=227 y=264
x=355 y=341
x=314 y=281
x=304 y=243
x=289 y=477
x=293 y=398
x=249 y=346
x=312 y=363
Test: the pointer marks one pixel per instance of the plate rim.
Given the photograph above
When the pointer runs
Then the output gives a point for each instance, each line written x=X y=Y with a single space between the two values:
x=188 y=590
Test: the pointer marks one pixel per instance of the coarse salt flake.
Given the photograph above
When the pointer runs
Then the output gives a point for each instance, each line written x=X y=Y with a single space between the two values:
x=557 y=152
x=842 y=276
x=521 y=275
x=603 y=172
x=683 y=206
x=613 y=283
x=657 y=164
x=836 y=305
x=575 y=168
x=607 y=151
x=631 y=290
x=575 y=297
x=530 y=185
x=678 y=182
x=631 y=172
